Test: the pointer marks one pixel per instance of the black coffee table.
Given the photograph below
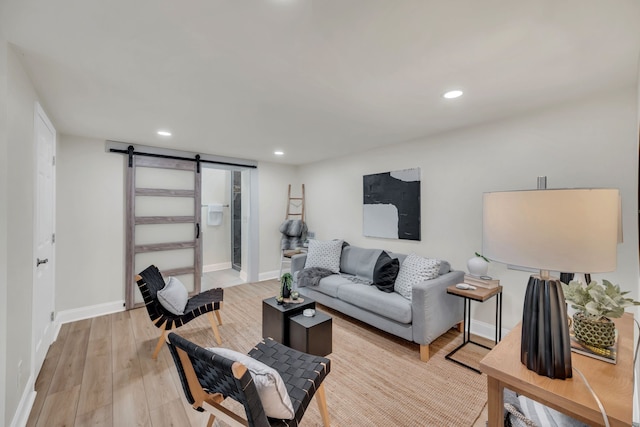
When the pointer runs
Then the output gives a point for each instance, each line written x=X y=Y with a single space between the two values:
x=311 y=334
x=275 y=318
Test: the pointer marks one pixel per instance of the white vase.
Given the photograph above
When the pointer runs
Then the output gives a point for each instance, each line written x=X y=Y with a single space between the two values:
x=477 y=266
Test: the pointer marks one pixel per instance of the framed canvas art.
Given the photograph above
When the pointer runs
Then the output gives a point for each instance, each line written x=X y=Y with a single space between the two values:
x=391 y=205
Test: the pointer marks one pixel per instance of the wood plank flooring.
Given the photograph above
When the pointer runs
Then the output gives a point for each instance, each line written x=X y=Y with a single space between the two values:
x=99 y=371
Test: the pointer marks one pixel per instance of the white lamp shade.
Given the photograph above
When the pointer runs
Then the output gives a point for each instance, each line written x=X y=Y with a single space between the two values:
x=567 y=230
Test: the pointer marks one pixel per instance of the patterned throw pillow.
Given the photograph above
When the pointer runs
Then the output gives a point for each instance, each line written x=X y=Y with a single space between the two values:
x=414 y=270
x=324 y=254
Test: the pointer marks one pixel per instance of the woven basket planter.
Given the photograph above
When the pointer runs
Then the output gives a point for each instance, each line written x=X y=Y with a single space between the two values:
x=598 y=333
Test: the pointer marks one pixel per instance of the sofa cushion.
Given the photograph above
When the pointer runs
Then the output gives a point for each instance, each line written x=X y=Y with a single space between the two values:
x=359 y=262
x=329 y=285
x=324 y=254
x=414 y=270
x=392 y=306
x=385 y=272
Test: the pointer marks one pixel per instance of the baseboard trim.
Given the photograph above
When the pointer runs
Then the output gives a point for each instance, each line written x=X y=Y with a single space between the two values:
x=216 y=267
x=268 y=275
x=244 y=276
x=25 y=405
x=89 y=312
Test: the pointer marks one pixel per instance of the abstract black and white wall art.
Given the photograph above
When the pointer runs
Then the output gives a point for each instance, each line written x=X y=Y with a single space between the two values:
x=391 y=205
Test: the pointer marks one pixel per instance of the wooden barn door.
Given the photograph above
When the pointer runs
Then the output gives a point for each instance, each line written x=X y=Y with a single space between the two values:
x=163 y=222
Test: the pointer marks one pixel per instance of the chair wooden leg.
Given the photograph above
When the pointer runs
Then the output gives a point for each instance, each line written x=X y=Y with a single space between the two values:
x=214 y=327
x=424 y=352
x=322 y=405
x=210 y=421
x=217 y=312
x=161 y=340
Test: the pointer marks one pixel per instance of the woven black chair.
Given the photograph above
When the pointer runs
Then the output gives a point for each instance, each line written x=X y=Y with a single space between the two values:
x=150 y=281
x=209 y=378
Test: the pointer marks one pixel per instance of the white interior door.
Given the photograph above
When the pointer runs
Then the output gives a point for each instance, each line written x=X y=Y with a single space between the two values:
x=44 y=262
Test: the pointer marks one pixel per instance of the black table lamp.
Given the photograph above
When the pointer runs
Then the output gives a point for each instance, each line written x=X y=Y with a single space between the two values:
x=551 y=230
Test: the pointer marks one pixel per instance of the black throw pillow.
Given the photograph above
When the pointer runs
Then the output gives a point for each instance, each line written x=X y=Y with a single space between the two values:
x=385 y=272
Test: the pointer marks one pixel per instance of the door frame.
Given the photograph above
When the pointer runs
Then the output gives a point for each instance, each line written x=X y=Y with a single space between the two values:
x=39 y=114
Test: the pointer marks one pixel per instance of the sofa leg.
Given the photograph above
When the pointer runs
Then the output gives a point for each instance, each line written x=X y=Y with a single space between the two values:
x=460 y=327
x=424 y=352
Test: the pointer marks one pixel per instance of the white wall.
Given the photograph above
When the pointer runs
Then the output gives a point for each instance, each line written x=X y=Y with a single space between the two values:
x=21 y=98
x=4 y=201
x=274 y=181
x=216 y=243
x=588 y=143
x=90 y=224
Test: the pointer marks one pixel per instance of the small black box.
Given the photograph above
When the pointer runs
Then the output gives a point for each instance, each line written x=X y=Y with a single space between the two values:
x=311 y=335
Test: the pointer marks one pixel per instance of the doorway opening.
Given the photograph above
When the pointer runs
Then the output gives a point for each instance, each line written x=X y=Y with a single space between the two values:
x=224 y=203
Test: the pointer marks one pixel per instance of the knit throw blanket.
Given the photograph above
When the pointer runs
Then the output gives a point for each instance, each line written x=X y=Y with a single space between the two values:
x=311 y=276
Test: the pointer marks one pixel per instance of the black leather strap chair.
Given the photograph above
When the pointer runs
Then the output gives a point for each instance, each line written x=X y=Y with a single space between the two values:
x=209 y=378
x=150 y=281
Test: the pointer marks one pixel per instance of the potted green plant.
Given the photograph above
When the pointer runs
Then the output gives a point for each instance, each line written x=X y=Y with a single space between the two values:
x=596 y=304
x=285 y=285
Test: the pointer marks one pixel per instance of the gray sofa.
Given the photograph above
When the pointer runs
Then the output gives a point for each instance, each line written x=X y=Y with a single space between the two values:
x=429 y=313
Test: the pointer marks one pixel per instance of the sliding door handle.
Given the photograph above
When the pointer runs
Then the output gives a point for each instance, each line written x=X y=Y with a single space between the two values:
x=41 y=261
x=197 y=230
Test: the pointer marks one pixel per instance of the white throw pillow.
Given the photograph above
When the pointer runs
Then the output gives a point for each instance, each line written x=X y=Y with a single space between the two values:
x=173 y=296
x=269 y=384
x=324 y=254
x=414 y=270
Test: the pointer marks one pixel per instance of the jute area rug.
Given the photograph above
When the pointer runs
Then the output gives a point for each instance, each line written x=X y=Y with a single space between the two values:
x=376 y=378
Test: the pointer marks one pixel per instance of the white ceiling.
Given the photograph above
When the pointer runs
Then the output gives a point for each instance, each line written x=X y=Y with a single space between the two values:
x=317 y=79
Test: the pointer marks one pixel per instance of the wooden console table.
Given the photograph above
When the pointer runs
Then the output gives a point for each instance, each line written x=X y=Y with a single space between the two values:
x=612 y=383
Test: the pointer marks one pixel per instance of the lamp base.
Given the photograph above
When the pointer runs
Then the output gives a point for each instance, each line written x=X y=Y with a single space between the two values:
x=546 y=346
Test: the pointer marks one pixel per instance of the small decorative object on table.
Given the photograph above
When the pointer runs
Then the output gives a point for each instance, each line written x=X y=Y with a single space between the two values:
x=596 y=303
x=478 y=265
x=285 y=285
x=294 y=295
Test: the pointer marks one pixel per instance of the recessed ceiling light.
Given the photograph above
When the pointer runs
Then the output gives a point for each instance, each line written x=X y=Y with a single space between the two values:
x=452 y=94
x=279 y=153
x=164 y=133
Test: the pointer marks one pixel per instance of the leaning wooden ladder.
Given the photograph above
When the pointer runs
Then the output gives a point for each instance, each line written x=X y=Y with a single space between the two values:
x=298 y=202
x=289 y=203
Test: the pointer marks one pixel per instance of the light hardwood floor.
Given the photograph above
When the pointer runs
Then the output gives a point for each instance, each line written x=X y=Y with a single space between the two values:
x=99 y=372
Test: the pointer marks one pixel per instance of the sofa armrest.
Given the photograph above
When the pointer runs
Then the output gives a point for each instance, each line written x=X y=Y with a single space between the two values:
x=297 y=264
x=435 y=311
